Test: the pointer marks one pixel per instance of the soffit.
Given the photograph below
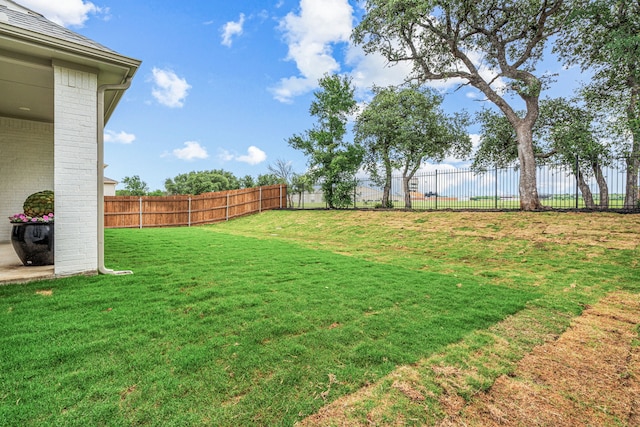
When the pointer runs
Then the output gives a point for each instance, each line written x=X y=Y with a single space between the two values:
x=29 y=44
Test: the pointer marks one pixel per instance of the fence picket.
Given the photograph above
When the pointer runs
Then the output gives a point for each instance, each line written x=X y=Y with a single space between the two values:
x=187 y=210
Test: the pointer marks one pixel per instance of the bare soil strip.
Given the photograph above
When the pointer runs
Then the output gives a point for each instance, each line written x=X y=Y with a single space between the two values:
x=589 y=376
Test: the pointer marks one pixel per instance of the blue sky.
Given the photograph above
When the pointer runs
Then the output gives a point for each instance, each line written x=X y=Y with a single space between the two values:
x=224 y=84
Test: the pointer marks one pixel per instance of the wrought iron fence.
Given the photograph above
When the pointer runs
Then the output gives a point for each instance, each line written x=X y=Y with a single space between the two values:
x=447 y=187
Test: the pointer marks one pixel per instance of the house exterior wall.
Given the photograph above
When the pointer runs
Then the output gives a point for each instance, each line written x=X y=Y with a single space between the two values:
x=75 y=174
x=109 y=189
x=26 y=162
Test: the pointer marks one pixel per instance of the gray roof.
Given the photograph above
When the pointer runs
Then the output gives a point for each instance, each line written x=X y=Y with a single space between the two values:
x=19 y=16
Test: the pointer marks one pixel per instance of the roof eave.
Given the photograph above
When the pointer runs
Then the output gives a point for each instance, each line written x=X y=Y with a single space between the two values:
x=73 y=49
x=116 y=68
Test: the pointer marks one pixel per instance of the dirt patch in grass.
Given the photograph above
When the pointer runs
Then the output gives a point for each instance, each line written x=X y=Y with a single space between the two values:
x=589 y=375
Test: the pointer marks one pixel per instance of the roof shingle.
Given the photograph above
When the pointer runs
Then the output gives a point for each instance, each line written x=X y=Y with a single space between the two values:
x=21 y=17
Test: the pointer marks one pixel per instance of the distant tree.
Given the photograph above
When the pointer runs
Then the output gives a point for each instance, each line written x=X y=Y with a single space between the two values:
x=202 y=182
x=377 y=130
x=247 y=181
x=571 y=136
x=133 y=186
x=284 y=171
x=498 y=144
x=156 y=193
x=300 y=183
x=268 y=179
x=404 y=127
x=603 y=36
x=332 y=161
x=442 y=39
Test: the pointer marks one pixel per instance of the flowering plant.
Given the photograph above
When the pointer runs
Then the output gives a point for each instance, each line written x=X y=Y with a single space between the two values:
x=22 y=218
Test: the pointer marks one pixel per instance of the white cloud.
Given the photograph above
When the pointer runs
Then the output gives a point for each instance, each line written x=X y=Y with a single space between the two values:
x=475 y=140
x=310 y=37
x=169 y=89
x=374 y=69
x=65 y=12
x=231 y=29
x=290 y=87
x=225 y=155
x=253 y=157
x=121 y=137
x=192 y=151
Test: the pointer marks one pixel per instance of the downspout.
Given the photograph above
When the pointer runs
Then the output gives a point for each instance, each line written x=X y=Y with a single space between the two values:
x=101 y=90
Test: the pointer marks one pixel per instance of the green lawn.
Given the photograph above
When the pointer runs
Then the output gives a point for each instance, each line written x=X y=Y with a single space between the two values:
x=263 y=320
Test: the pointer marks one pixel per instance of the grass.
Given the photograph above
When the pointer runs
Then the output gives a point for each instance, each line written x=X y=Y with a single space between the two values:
x=263 y=320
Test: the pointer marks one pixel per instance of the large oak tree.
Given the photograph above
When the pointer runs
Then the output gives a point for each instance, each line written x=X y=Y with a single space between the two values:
x=456 y=39
x=565 y=133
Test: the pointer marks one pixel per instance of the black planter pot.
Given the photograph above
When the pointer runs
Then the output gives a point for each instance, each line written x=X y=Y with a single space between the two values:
x=33 y=242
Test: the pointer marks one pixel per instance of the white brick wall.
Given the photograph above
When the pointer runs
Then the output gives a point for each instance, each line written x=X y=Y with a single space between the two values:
x=75 y=175
x=26 y=165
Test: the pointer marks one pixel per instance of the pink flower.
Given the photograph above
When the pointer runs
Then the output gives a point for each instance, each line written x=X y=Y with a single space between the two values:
x=21 y=218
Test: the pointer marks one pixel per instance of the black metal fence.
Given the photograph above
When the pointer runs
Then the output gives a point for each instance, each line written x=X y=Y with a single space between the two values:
x=447 y=187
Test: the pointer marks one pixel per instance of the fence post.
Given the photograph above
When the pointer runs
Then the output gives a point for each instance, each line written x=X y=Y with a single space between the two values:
x=227 y=215
x=577 y=178
x=189 y=218
x=436 y=189
x=355 y=189
x=280 y=196
x=260 y=200
x=140 y=210
x=496 y=179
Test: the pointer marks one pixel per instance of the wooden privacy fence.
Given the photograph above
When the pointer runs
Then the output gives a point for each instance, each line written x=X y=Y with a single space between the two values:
x=167 y=211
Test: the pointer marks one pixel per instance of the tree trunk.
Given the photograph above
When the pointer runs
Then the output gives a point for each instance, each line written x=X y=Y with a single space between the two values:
x=585 y=190
x=633 y=161
x=407 y=193
x=602 y=185
x=328 y=196
x=386 y=192
x=528 y=186
x=631 y=196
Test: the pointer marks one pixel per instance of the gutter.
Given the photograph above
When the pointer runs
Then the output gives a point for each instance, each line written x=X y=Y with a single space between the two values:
x=101 y=90
x=76 y=50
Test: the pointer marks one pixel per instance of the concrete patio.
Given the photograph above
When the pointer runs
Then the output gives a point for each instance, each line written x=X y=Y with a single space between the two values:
x=12 y=270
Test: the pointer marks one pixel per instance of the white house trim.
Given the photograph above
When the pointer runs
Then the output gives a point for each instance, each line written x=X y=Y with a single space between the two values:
x=76 y=152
